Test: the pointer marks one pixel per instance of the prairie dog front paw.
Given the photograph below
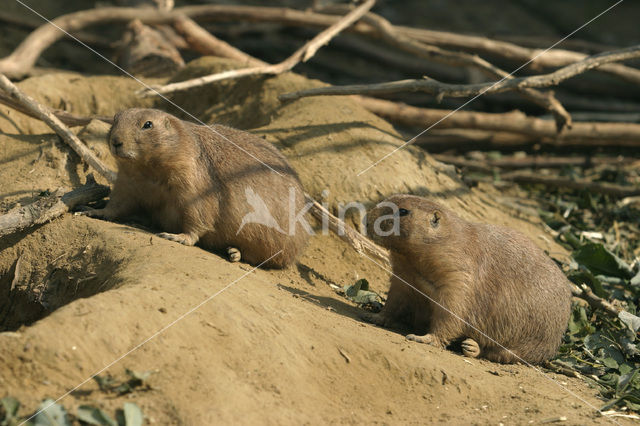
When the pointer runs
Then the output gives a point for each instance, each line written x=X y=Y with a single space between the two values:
x=186 y=239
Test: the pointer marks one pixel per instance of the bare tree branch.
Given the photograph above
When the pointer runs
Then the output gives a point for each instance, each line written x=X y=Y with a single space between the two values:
x=534 y=161
x=301 y=55
x=463 y=90
x=147 y=52
x=537 y=59
x=390 y=34
x=611 y=189
x=600 y=133
x=67 y=118
x=63 y=131
x=50 y=207
x=205 y=43
x=24 y=57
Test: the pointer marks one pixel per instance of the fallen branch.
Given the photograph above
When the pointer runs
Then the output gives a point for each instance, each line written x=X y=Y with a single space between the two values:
x=397 y=60
x=389 y=34
x=303 y=54
x=31 y=24
x=463 y=140
x=611 y=189
x=583 y=103
x=541 y=42
x=530 y=162
x=67 y=118
x=147 y=52
x=24 y=57
x=439 y=89
x=536 y=59
x=359 y=242
x=600 y=133
x=205 y=43
x=51 y=206
x=63 y=131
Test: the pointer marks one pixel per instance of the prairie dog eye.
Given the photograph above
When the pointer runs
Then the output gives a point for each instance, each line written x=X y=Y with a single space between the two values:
x=147 y=125
x=403 y=212
x=435 y=219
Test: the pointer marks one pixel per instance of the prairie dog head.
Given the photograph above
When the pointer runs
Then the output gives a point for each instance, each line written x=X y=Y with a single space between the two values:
x=143 y=135
x=405 y=222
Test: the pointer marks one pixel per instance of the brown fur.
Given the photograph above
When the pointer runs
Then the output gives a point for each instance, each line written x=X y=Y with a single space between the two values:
x=491 y=277
x=192 y=183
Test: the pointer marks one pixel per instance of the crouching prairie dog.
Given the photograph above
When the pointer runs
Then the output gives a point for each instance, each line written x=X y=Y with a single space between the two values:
x=487 y=286
x=220 y=187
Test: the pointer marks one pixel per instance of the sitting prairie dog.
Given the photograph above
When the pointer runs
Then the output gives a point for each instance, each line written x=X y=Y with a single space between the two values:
x=489 y=286
x=206 y=185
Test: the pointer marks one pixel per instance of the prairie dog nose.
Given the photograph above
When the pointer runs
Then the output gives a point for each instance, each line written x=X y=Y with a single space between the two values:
x=116 y=142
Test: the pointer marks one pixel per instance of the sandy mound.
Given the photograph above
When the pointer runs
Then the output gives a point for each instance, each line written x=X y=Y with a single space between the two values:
x=275 y=346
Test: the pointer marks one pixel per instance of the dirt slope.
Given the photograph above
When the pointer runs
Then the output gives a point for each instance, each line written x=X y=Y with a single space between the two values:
x=275 y=347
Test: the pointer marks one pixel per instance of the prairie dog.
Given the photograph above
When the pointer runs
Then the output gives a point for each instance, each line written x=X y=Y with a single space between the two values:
x=206 y=185
x=490 y=286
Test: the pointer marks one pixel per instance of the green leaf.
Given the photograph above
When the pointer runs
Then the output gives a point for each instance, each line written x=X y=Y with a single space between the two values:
x=359 y=293
x=600 y=260
x=572 y=239
x=626 y=368
x=104 y=383
x=10 y=405
x=610 y=363
x=629 y=348
x=604 y=350
x=51 y=414
x=132 y=414
x=583 y=275
x=579 y=325
x=94 y=416
x=630 y=320
x=625 y=380
x=610 y=404
x=353 y=289
x=635 y=281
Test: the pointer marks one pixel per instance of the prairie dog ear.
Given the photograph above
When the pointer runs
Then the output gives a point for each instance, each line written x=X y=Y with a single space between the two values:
x=167 y=123
x=434 y=219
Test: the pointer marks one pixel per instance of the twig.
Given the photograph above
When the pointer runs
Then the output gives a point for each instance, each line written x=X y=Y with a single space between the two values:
x=303 y=54
x=67 y=118
x=615 y=134
x=583 y=292
x=205 y=43
x=359 y=242
x=463 y=90
x=50 y=207
x=611 y=189
x=63 y=131
x=561 y=369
